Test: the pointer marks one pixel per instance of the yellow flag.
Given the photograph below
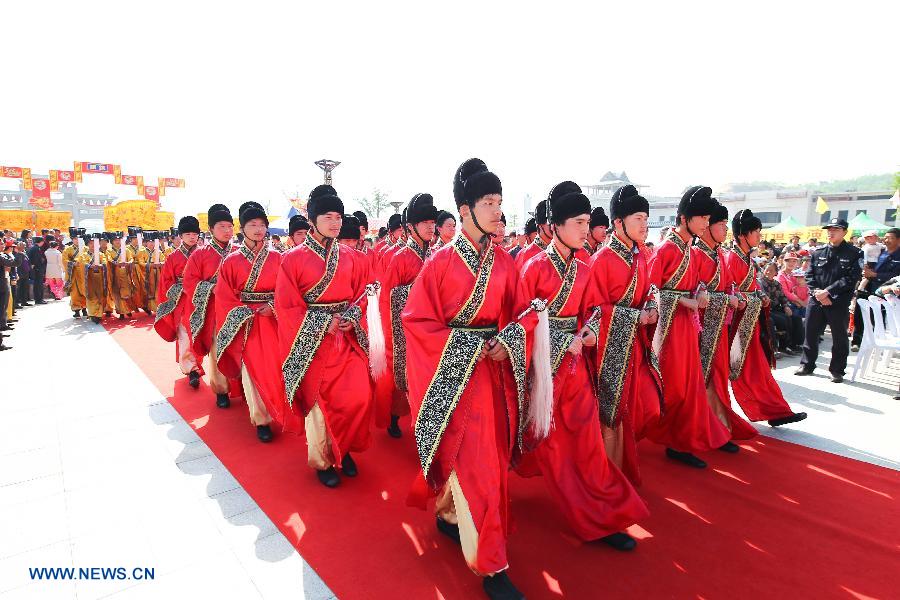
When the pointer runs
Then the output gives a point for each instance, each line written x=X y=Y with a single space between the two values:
x=821 y=206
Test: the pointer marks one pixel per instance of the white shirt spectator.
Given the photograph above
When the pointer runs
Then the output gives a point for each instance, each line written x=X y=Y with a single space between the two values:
x=54 y=264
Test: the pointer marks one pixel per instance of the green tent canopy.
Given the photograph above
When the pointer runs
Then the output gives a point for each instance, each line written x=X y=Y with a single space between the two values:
x=863 y=222
x=788 y=224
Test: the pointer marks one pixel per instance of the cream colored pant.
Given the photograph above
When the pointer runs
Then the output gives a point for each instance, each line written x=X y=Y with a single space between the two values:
x=318 y=446
x=258 y=413
x=452 y=507
x=217 y=381
x=187 y=361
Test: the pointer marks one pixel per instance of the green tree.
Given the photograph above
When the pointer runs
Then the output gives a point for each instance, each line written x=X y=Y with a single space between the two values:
x=373 y=207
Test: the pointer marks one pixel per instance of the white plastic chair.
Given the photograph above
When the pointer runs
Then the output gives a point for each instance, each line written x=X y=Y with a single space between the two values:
x=893 y=310
x=872 y=342
x=883 y=333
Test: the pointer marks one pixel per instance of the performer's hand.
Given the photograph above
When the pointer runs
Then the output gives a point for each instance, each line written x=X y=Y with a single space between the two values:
x=575 y=346
x=688 y=303
x=266 y=311
x=869 y=273
x=702 y=299
x=644 y=318
x=588 y=338
x=823 y=297
x=345 y=325
x=654 y=316
x=788 y=311
x=734 y=301
x=332 y=329
x=497 y=351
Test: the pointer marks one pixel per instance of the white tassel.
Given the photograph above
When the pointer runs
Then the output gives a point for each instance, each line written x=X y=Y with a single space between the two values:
x=156 y=252
x=734 y=354
x=96 y=252
x=377 y=358
x=540 y=405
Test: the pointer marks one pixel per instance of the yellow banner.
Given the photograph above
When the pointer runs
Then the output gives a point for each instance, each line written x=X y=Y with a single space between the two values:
x=164 y=220
x=135 y=213
x=17 y=220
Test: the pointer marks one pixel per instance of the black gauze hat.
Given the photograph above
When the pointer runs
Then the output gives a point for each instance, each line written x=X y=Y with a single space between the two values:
x=599 y=218
x=744 y=222
x=188 y=224
x=323 y=199
x=395 y=222
x=252 y=210
x=216 y=213
x=362 y=218
x=540 y=213
x=349 y=228
x=297 y=223
x=626 y=201
x=530 y=226
x=473 y=181
x=719 y=213
x=421 y=208
x=696 y=202
x=566 y=201
x=442 y=218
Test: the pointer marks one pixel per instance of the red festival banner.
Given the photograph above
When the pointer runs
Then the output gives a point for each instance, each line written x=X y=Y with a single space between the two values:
x=57 y=177
x=40 y=194
x=172 y=182
x=132 y=180
x=151 y=192
x=23 y=173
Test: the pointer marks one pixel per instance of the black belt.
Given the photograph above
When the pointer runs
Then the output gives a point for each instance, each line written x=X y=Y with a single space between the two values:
x=564 y=324
x=257 y=297
x=485 y=332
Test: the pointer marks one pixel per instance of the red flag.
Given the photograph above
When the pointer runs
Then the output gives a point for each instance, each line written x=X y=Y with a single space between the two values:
x=151 y=192
x=40 y=193
x=15 y=172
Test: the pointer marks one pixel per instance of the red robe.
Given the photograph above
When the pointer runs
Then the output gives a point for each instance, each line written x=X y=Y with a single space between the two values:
x=378 y=261
x=328 y=369
x=714 y=342
x=172 y=309
x=751 y=375
x=199 y=282
x=687 y=423
x=624 y=370
x=397 y=279
x=535 y=247
x=246 y=282
x=592 y=493
x=466 y=410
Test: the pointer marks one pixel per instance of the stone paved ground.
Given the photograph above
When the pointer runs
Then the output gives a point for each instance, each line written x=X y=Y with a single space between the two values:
x=105 y=472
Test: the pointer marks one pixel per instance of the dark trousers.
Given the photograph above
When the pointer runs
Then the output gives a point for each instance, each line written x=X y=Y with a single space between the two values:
x=37 y=286
x=22 y=291
x=836 y=316
x=792 y=326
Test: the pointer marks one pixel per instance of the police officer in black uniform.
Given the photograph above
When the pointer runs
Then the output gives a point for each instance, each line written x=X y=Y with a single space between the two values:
x=834 y=272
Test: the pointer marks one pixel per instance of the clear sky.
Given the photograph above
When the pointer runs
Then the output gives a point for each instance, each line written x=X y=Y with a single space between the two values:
x=240 y=98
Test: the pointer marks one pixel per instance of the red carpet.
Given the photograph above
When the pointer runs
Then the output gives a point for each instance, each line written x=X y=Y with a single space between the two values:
x=777 y=520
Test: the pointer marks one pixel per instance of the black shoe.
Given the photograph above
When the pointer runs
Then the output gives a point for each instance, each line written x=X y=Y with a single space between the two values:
x=685 y=457
x=84 y=312
x=621 y=541
x=329 y=477
x=264 y=433
x=107 y=313
x=7 y=328
x=27 y=304
x=789 y=351
x=394 y=429
x=837 y=378
x=794 y=418
x=2 y=348
x=730 y=448
x=40 y=302
x=348 y=466
x=96 y=320
x=121 y=317
x=194 y=379
x=803 y=371
x=499 y=587
x=449 y=529
x=222 y=401
x=76 y=314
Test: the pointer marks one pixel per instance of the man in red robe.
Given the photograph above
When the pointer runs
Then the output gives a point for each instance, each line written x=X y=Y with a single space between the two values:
x=751 y=366
x=171 y=321
x=246 y=340
x=298 y=228
x=394 y=237
x=391 y=388
x=200 y=276
x=541 y=240
x=624 y=369
x=597 y=235
x=687 y=424
x=714 y=342
x=596 y=498
x=320 y=301
x=466 y=372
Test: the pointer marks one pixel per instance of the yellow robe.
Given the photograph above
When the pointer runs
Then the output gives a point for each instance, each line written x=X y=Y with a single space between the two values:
x=74 y=277
x=120 y=284
x=152 y=272
x=138 y=257
x=97 y=282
